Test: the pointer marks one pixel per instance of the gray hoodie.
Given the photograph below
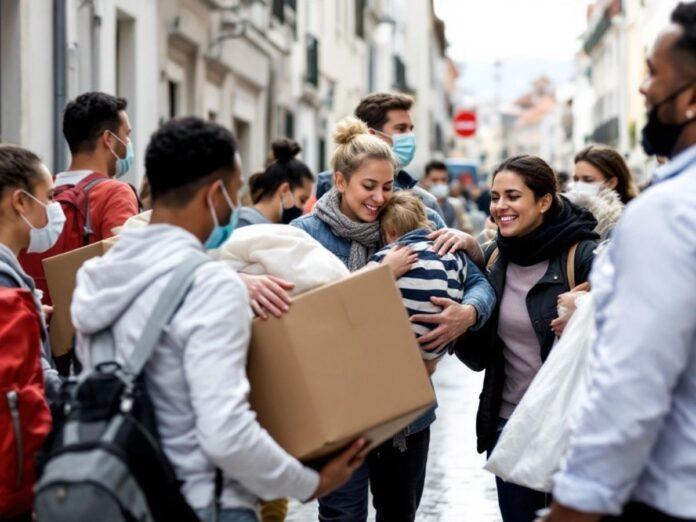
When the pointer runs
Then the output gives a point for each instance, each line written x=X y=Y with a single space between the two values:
x=197 y=374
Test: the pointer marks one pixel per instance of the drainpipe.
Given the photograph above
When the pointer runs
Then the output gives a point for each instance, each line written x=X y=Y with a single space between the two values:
x=60 y=82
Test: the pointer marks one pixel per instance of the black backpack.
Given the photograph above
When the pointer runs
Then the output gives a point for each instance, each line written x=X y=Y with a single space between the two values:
x=103 y=460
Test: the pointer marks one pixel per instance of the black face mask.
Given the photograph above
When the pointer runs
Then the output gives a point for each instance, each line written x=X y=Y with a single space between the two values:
x=290 y=214
x=660 y=138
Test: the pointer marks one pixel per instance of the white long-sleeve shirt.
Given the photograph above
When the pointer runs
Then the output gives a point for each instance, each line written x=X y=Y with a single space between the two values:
x=637 y=436
x=197 y=374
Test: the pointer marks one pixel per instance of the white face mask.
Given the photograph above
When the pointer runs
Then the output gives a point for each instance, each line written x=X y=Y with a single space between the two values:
x=41 y=239
x=440 y=190
x=588 y=189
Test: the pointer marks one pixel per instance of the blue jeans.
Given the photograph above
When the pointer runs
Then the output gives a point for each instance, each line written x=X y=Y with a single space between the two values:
x=517 y=503
x=396 y=479
x=227 y=515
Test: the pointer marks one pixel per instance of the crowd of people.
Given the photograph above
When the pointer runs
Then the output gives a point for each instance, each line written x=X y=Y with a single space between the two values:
x=491 y=274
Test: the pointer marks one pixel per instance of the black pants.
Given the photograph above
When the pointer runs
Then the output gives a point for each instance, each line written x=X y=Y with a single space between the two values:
x=636 y=511
x=395 y=478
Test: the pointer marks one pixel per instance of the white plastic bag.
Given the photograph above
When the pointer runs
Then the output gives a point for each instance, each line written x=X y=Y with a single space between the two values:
x=536 y=436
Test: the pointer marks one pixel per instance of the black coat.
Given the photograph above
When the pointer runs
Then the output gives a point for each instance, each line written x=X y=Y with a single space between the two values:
x=483 y=350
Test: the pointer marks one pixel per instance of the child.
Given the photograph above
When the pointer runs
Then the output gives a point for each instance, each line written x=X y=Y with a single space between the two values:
x=404 y=221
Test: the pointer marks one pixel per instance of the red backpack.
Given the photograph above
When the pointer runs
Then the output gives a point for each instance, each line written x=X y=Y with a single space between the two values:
x=25 y=418
x=77 y=232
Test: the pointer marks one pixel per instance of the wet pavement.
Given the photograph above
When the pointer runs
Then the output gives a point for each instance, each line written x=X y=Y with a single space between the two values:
x=457 y=488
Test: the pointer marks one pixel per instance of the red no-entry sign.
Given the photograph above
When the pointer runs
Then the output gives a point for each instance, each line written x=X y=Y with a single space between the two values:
x=465 y=123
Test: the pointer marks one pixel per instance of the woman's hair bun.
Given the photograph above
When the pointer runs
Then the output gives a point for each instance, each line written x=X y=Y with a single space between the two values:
x=347 y=129
x=285 y=149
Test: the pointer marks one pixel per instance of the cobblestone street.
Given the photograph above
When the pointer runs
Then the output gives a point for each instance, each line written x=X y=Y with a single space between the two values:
x=457 y=488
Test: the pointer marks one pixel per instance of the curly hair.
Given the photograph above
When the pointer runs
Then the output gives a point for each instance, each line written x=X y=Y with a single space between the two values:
x=88 y=116
x=185 y=154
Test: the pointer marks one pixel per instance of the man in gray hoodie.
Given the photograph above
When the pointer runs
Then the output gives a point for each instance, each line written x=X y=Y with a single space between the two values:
x=197 y=374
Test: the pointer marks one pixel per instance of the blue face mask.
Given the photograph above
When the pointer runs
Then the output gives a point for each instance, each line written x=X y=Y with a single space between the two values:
x=404 y=147
x=221 y=233
x=123 y=165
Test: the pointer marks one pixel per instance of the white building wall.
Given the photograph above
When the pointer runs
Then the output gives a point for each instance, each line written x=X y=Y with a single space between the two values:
x=26 y=81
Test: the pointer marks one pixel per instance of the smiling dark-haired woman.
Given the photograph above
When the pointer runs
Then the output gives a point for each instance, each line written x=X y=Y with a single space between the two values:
x=545 y=245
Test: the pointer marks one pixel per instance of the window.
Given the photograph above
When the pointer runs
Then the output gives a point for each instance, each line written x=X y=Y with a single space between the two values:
x=321 y=155
x=289 y=130
x=279 y=10
x=439 y=144
x=312 y=76
x=360 y=18
x=125 y=59
x=372 y=69
x=400 y=74
x=173 y=88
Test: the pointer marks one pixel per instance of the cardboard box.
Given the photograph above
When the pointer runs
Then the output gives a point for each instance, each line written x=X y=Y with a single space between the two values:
x=61 y=272
x=342 y=363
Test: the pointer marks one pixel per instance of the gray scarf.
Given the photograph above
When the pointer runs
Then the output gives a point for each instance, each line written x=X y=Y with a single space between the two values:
x=364 y=237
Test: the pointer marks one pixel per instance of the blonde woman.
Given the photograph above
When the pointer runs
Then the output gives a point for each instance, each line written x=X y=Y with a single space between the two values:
x=346 y=221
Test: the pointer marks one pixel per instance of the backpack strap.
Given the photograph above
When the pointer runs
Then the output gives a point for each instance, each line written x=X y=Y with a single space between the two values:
x=168 y=303
x=87 y=185
x=494 y=257
x=102 y=348
x=570 y=263
x=570 y=266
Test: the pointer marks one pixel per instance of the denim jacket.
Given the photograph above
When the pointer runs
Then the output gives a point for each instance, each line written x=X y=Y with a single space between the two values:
x=477 y=291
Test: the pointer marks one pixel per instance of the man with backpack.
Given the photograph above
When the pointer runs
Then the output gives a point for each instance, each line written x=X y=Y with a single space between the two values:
x=192 y=342
x=94 y=201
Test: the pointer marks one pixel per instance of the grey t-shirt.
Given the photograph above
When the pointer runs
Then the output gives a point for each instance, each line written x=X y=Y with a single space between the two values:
x=250 y=216
x=522 y=352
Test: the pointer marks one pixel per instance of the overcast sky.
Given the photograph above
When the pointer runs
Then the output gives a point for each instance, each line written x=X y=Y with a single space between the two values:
x=529 y=37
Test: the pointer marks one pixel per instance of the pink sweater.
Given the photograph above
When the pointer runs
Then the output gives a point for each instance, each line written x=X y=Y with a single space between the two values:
x=522 y=351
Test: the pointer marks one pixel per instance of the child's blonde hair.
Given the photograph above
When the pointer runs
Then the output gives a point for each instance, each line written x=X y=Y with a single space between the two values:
x=355 y=145
x=403 y=213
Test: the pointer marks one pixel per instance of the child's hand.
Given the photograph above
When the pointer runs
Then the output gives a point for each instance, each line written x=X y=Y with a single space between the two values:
x=401 y=259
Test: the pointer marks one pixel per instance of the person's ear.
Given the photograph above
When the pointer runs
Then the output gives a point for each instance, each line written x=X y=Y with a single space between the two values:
x=612 y=182
x=546 y=202
x=106 y=140
x=691 y=108
x=211 y=192
x=340 y=181
x=19 y=202
x=284 y=188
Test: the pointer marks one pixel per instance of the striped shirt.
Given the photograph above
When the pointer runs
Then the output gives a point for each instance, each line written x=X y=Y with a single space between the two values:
x=433 y=276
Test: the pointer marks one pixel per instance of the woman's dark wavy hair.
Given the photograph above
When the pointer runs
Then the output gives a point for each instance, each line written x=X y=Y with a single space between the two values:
x=537 y=175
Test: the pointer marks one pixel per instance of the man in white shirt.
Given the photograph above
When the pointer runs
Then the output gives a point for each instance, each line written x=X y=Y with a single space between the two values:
x=197 y=374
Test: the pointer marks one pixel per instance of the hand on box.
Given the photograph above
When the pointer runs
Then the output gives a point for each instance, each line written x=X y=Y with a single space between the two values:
x=450 y=240
x=401 y=259
x=453 y=321
x=339 y=469
x=268 y=294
